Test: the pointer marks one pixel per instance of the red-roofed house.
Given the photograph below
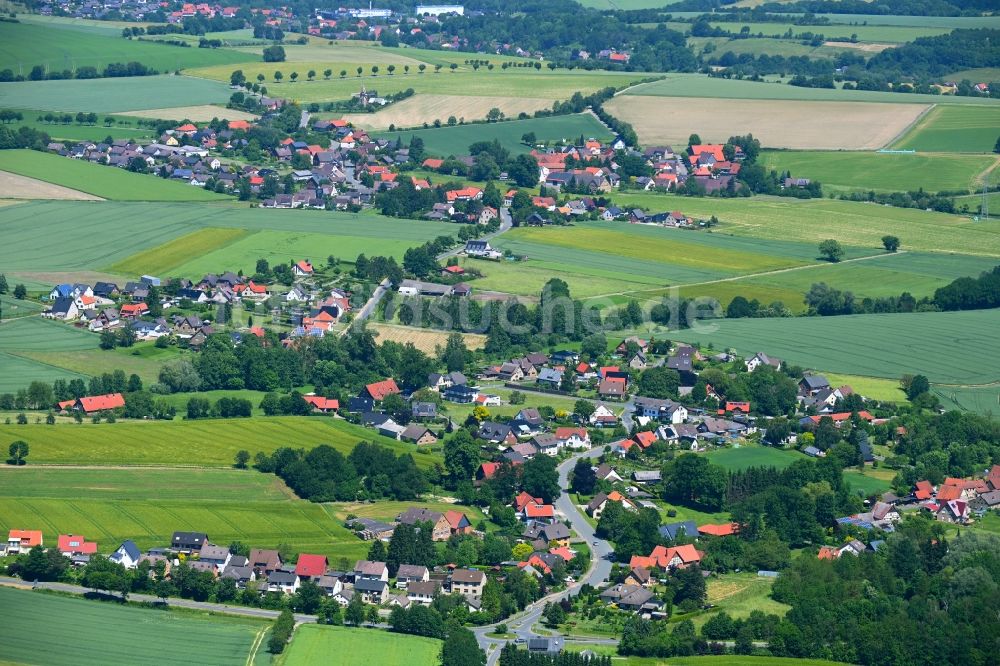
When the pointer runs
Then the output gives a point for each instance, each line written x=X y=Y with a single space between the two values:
x=74 y=544
x=487 y=470
x=19 y=541
x=562 y=552
x=302 y=268
x=458 y=522
x=239 y=125
x=713 y=149
x=132 y=310
x=254 y=291
x=99 y=403
x=678 y=557
x=946 y=492
x=645 y=439
x=725 y=529
x=311 y=566
x=432 y=163
x=379 y=390
x=321 y=404
x=924 y=490
x=828 y=553
x=738 y=407
x=840 y=417
x=539 y=512
x=574 y=438
x=464 y=194
x=524 y=499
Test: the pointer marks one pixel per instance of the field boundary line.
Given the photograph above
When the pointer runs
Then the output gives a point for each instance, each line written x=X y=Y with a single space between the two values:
x=906 y=130
x=753 y=275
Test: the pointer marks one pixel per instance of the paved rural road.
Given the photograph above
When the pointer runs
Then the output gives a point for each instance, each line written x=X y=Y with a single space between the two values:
x=177 y=603
x=521 y=625
x=506 y=222
x=369 y=307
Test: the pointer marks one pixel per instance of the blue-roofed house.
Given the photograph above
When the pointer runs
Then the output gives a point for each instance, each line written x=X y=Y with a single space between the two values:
x=673 y=530
x=127 y=555
x=61 y=291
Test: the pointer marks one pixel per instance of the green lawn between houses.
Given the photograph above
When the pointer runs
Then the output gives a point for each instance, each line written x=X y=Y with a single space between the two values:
x=313 y=645
x=51 y=630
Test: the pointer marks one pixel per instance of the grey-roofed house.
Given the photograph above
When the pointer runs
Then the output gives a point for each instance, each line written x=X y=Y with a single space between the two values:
x=411 y=573
x=423 y=410
x=242 y=575
x=283 y=581
x=127 y=555
x=646 y=476
x=188 y=541
x=216 y=555
x=686 y=528
x=627 y=597
x=372 y=591
x=549 y=377
x=422 y=592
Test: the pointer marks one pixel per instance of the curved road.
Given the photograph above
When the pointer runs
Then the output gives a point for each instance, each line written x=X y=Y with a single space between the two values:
x=521 y=625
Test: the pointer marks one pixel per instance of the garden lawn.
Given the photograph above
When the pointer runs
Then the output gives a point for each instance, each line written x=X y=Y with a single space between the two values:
x=23 y=45
x=735 y=459
x=114 y=95
x=80 y=631
x=312 y=645
x=208 y=443
x=864 y=171
x=869 y=482
x=887 y=345
x=875 y=388
x=952 y=129
x=103 y=181
x=741 y=593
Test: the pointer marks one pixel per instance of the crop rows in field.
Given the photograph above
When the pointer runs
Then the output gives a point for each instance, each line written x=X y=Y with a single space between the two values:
x=81 y=631
x=114 y=95
x=954 y=129
x=209 y=443
x=872 y=345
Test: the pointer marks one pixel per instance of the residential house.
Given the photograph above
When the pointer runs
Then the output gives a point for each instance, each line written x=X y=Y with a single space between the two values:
x=127 y=555
x=676 y=557
x=685 y=528
x=596 y=506
x=761 y=359
x=188 y=541
x=411 y=573
x=469 y=582
x=422 y=592
x=283 y=581
x=218 y=556
x=627 y=596
x=368 y=570
x=74 y=544
x=264 y=561
x=665 y=411
x=605 y=472
x=441 y=527
x=21 y=541
x=418 y=434
x=378 y=391
x=372 y=591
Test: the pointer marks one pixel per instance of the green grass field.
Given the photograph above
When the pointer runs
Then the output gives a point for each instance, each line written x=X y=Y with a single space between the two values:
x=870 y=345
x=886 y=390
x=734 y=459
x=951 y=22
x=313 y=645
x=446 y=141
x=114 y=95
x=814 y=220
x=147 y=505
x=982 y=399
x=144 y=359
x=75 y=132
x=870 y=482
x=880 y=34
x=100 y=180
x=79 y=631
x=864 y=171
x=208 y=443
x=162 y=258
x=514 y=82
x=24 y=45
x=155 y=225
x=698 y=85
x=954 y=129
x=34 y=334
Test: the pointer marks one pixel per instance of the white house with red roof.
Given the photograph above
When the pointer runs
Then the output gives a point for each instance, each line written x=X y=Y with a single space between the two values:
x=302 y=268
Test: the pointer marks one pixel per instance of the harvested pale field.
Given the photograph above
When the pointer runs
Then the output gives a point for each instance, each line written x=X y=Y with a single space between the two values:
x=425 y=340
x=778 y=124
x=863 y=47
x=201 y=113
x=13 y=186
x=420 y=109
